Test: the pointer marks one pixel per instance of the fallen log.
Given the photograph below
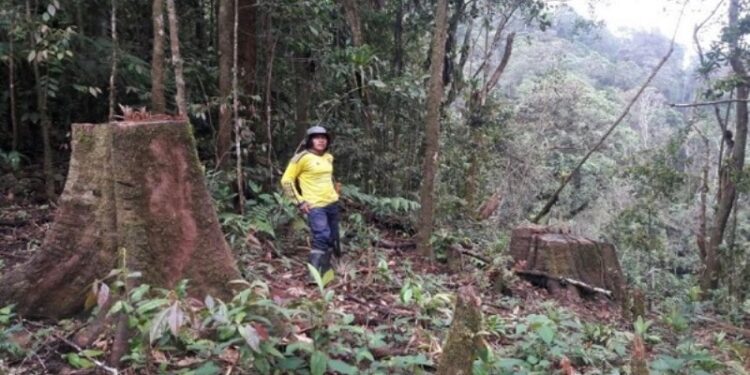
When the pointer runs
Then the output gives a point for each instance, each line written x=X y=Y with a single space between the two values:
x=566 y=280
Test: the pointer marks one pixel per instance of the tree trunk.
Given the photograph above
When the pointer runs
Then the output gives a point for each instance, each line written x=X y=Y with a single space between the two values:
x=236 y=111
x=132 y=185
x=224 y=138
x=248 y=44
x=12 y=86
x=733 y=168
x=44 y=121
x=463 y=341
x=44 y=124
x=158 y=103
x=398 y=44
x=174 y=42
x=113 y=71
x=432 y=131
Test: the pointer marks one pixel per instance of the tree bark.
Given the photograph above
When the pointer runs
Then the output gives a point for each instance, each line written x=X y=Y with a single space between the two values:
x=248 y=44
x=158 y=103
x=732 y=170
x=463 y=341
x=352 y=18
x=113 y=71
x=432 y=130
x=398 y=45
x=132 y=185
x=174 y=42
x=12 y=85
x=224 y=138
x=236 y=110
x=44 y=120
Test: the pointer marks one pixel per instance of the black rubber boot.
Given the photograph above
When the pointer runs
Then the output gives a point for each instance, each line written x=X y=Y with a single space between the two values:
x=336 y=248
x=320 y=259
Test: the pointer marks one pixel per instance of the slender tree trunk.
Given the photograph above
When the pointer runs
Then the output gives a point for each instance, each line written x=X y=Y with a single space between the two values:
x=733 y=168
x=224 y=138
x=158 y=103
x=269 y=101
x=398 y=47
x=174 y=42
x=702 y=229
x=476 y=119
x=113 y=72
x=236 y=111
x=12 y=85
x=44 y=121
x=248 y=45
x=432 y=130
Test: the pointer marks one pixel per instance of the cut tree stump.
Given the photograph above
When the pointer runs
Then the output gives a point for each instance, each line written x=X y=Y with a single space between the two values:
x=136 y=185
x=563 y=258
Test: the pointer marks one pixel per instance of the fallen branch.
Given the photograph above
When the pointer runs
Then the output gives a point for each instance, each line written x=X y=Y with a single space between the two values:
x=13 y=223
x=699 y=104
x=555 y=196
x=579 y=284
x=97 y=362
x=473 y=255
x=726 y=326
x=388 y=244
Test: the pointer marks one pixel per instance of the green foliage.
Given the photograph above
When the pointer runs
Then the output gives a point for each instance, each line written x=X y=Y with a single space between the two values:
x=8 y=326
x=381 y=206
x=10 y=159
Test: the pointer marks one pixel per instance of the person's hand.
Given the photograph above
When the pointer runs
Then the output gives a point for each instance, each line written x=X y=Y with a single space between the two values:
x=304 y=207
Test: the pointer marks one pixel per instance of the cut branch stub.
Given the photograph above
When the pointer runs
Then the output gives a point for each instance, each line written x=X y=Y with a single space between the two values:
x=463 y=342
x=132 y=185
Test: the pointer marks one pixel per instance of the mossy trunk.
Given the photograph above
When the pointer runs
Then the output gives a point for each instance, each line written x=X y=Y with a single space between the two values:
x=463 y=342
x=132 y=185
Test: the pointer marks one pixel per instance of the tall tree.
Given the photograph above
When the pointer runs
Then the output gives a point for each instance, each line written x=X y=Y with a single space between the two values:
x=732 y=170
x=158 y=103
x=432 y=130
x=225 y=26
x=41 y=90
x=12 y=82
x=174 y=42
x=113 y=71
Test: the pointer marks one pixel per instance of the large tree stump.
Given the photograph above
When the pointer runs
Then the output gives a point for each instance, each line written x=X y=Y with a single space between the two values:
x=132 y=185
x=562 y=257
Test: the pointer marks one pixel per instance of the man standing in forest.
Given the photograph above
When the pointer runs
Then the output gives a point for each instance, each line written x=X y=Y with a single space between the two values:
x=308 y=181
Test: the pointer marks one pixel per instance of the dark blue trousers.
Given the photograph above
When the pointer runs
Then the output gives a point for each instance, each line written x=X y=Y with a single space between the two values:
x=324 y=225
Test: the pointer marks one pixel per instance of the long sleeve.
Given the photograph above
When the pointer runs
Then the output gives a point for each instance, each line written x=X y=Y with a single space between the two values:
x=288 y=180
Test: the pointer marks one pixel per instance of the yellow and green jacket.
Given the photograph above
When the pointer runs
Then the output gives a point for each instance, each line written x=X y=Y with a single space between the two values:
x=309 y=178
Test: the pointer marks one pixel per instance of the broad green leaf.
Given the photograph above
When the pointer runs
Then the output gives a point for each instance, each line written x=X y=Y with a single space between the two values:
x=342 y=367
x=546 y=333
x=318 y=363
x=316 y=276
x=328 y=277
x=250 y=334
x=175 y=318
x=151 y=305
x=208 y=368
x=377 y=83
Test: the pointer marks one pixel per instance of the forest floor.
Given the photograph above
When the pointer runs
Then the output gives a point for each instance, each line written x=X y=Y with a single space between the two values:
x=396 y=307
